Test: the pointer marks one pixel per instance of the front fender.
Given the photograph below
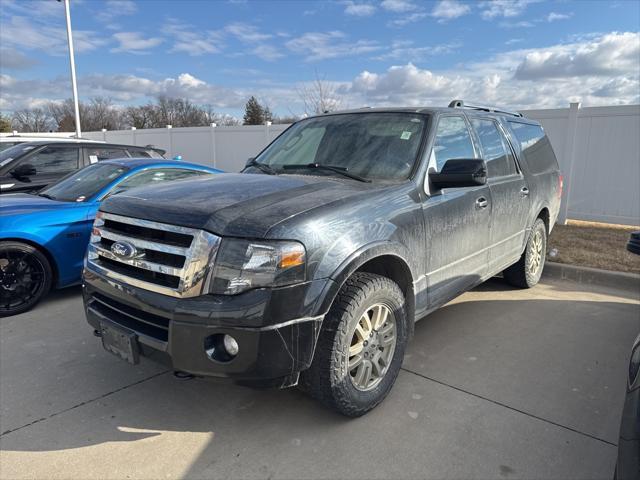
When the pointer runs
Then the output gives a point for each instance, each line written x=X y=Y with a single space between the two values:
x=353 y=262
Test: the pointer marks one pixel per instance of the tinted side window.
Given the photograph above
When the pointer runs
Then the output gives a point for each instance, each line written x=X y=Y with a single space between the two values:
x=55 y=160
x=105 y=153
x=535 y=147
x=494 y=149
x=452 y=141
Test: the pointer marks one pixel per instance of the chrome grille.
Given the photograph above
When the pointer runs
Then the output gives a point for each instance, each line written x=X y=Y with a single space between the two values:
x=167 y=259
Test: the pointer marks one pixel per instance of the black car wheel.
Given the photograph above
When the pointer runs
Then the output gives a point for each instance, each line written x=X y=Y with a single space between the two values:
x=25 y=277
x=361 y=346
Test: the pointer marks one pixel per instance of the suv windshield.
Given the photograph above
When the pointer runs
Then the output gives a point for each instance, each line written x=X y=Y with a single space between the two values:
x=84 y=183
x=370 y=145
x=15 y=151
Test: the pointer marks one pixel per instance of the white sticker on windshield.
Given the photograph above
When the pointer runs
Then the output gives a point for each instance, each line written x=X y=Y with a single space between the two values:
x=405 y=135
x=93 y=158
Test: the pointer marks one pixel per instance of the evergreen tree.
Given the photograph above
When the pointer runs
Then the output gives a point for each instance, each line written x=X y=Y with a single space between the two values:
x=5 y=124
x=253 y=112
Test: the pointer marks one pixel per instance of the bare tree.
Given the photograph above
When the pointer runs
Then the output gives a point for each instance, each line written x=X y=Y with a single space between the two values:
x=319 y=96
x=139 y=117
x=32 y=120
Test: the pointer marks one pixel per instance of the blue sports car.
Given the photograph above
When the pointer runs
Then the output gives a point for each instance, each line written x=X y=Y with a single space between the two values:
x=44 y=236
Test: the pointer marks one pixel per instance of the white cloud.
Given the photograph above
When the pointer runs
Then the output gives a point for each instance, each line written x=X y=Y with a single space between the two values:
x=449 y=9
x=406 y=51
x=14 y=60
x=322 y=45
x=267 y=52
x=247 y=33
x=403 y=20
x=23 y=32
x=553 y=16
x=399 y=6
x=359 y=9
x=520 y=24
x=604 y=70
x=611 y=54
x=192 y=41
x=594 y=69
x=115 y=8
x=503 y=8
x=134 y=42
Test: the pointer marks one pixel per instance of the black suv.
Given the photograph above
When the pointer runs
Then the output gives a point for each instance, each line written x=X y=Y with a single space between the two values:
x=31 y=166
x=311 y=266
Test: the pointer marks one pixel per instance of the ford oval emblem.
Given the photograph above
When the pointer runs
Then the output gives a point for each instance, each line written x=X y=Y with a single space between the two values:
x=124 y=249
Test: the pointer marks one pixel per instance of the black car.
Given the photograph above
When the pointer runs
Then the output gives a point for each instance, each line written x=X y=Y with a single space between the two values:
x=312 y=265
x=31 y=166
x=628 y=465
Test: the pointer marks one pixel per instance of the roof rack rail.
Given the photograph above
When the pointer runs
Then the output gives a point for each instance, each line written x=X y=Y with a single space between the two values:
x=486 y=108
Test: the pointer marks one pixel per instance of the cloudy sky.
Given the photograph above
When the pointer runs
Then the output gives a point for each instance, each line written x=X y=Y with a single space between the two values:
x=517 y=53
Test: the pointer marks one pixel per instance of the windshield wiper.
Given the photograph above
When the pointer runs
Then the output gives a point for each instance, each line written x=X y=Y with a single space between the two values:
x=262 y=167
x=331 y=168
x=46 y=195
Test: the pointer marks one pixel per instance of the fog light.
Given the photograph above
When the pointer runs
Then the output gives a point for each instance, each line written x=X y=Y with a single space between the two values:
x=221 y=347
x=230 y=345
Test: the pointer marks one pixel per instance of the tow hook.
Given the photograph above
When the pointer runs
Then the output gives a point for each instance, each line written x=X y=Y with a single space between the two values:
x=183 y=375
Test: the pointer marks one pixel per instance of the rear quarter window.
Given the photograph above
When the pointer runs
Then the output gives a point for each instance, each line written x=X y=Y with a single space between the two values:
x=535 y=147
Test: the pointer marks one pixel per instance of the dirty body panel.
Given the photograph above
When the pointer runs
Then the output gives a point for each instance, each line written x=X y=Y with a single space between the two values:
x=434 y=243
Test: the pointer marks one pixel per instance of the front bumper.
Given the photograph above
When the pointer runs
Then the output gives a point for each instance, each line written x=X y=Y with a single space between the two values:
x=628 y=466
x=276 y=329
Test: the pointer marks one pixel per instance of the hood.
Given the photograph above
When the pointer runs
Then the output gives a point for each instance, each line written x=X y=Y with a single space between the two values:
x=234 y=204
x=24 y=203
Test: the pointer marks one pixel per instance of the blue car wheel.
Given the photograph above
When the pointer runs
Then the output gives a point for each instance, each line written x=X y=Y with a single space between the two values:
x=25 y=277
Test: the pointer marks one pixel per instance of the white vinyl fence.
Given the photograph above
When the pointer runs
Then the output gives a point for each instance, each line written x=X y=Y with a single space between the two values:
x=226 y=148
x=598 y=149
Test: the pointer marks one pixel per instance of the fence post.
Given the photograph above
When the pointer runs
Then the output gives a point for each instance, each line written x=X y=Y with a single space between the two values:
x=569 y=160
x=267 y=128
x=213 y=144
x=169 y=127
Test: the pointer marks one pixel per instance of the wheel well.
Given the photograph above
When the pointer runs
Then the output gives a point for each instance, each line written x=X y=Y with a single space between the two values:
x=397 y=270
x=544 y=215
x=44 y=251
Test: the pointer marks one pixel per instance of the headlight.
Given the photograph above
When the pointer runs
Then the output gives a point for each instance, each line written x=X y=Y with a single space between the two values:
x=243 y=264
x=634 y=366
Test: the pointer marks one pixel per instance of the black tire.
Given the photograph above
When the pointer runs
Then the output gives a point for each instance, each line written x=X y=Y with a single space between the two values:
x=25 y=277
x=519 y=274
x=328 y=379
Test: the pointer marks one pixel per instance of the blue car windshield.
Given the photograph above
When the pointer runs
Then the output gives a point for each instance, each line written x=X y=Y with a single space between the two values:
x=84 y=184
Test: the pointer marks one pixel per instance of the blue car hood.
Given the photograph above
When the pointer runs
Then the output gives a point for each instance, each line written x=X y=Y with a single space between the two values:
x=24 y=203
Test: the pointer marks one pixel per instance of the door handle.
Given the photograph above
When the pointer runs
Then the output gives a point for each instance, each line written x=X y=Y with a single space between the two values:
x=481 y=203
x=524 y=192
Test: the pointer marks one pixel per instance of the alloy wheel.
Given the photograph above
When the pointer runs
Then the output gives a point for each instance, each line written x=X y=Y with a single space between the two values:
x=372 y=347
x=536 y=253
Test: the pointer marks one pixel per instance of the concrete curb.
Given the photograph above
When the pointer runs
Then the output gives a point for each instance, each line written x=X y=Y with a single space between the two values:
x=595 y=276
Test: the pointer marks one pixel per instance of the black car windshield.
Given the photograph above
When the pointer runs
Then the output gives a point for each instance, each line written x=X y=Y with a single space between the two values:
x=372 y=145
x=16 y=151
x=83 y=184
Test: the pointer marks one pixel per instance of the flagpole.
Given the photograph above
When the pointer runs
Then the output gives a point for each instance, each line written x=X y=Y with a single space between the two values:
x=72 y=64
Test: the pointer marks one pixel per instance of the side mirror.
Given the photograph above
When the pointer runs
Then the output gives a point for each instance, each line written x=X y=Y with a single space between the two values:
x=249 y=161
x=23 y=171
x=460 y=173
